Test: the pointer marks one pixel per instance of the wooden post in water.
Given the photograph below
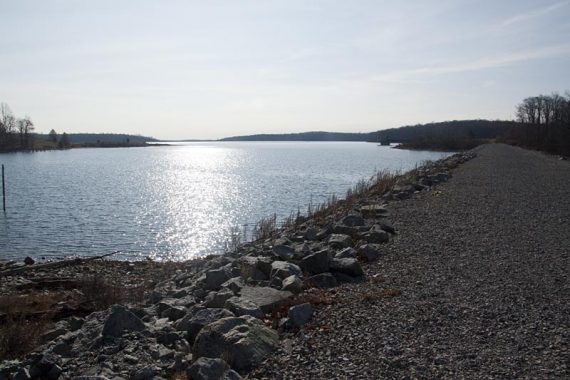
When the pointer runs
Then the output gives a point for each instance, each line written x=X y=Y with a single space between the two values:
x=3 y=190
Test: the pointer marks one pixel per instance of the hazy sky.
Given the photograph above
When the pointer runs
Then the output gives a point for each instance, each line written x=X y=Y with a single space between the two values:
x=209 y=69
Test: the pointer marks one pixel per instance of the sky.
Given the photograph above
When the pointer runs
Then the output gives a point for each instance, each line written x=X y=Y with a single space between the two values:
x=211 y=69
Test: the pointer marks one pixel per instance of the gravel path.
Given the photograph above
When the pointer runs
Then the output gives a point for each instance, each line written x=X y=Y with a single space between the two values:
x=476 y=284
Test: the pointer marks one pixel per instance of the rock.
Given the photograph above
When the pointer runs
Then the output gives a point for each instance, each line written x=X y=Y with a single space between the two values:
x=346 y=253
x=208 y=369
x=283 y=269
x=344 y=230
x=384 y=226
x=231 y=375
x=369 y=252
x=22 y=374
x=353 y=220
x=240 y=306
x=340 y=241
x=244 y=342
x=311 y=233
x=234 y=284
x=317 y=262
x=292 y=284
x=300 y=314
x=203 y=317
x=376 y=237
x=45 y=367
x=75 y=323
x=52 y=334
x=62 y=349
x=255 y=268
x=267 y=299
x=372 y=211
x=349 y=267
x=168 y=338
x=442 y=177
x=324 y=232
x=284 y=252
x=29 y=261
x=218 y=299
x=216 y=277
x=146 y=373
x=121 y=320
x=323 y=281
x=173 y=313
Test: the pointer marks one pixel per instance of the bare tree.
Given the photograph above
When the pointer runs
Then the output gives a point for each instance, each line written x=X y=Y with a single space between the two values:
x=7 y=125
x=25 y=128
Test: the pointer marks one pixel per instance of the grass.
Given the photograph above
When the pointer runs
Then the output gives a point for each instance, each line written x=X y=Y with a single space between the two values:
x=23 y=320
x=265 y=228
x=100 y=293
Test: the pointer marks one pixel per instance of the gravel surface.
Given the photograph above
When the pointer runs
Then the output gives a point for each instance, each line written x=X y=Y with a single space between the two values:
x=475 y=285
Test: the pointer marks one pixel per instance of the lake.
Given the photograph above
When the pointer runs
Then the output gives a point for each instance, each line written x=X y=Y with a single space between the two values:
x=173 y=202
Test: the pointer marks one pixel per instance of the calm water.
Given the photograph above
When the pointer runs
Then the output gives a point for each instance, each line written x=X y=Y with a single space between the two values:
x=172 y=202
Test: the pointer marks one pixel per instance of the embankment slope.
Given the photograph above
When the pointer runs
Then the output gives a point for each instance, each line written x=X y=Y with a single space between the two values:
x=475 y=285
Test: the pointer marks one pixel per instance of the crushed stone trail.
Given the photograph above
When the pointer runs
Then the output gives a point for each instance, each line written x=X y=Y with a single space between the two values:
x=475 y=284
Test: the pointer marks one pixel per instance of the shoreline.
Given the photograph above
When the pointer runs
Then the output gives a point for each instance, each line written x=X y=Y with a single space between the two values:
x=257 y=286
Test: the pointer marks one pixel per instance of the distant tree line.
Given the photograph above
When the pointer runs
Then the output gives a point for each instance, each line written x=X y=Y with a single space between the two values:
x=15 y=133
x=544 y=124
x=305 y=136
x=447 y=135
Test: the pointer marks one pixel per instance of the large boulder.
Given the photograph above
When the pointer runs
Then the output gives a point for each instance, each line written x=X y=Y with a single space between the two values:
x=300 y=314
x=344 y=230
x=353 y=220
x=311 y=233
x=350 y=267
x=292 y=284
x=211 y=369
x=121 y=320
x=384 y=226
x=192 y=324
x=234 y=284
x=346 y=253
x=284 y=252
x=243 y=342
x=283 y=269
x=338 y=241
x=317 y=262
x=241 y=306
x=376 y=237
x=216 y=277
x=255 y=268
x=373 y=211
x=323 y=281
x=369 y=252
x=218 y=299
x=265 y=298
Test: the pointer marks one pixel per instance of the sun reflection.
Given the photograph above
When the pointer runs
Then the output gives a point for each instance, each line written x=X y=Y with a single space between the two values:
x=197 y=188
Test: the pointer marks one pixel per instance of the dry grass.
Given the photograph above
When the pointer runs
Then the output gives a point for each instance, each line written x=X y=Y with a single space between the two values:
x=100 y=293
x=23 y=320
x=265 y=228
x=25 y=317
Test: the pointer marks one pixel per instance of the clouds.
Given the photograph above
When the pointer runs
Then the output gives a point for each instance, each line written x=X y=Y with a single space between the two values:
x=207 y=70
x=535 y=13
x=484 y=63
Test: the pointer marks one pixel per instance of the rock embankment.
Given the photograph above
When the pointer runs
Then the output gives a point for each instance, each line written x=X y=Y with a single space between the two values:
x=224 y=317
x=475 y=285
